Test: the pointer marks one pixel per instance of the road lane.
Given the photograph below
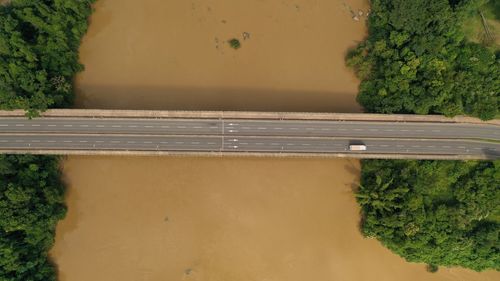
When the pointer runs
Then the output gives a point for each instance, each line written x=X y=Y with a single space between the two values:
x=250 y=136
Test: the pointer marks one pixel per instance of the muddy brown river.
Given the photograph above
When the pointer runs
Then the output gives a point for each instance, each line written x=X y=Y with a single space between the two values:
x=221 y=219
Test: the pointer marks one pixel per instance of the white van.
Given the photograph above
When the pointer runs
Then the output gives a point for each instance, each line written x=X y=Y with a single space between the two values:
x=357 y=147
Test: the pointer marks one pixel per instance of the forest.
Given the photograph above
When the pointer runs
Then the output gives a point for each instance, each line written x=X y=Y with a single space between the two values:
x=31 y=204
x=39 y=43
x=416 y=59
x=437 y=212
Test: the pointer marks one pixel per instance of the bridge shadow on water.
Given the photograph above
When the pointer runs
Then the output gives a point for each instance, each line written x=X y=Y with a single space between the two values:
x=189 y=98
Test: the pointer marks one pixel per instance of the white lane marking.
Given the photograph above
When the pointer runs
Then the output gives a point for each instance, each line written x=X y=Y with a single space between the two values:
x=415 y=146
x=3 y=125
x=131 y=142
x=198 y=127
x=462 y=147
x=325 y=129
x=148 y=142
x=211 y=143
x=233 y=140
x=35 y=125
x=388 y=130
x=306 y=144
x=278 y=128
x=195 y=142
x=262 y=128
x=431 y=146
x=100 y=126
x=19 y=125
x=51 y=141
x=35 y=141
x=67 y=125
x=84 y=125
x=233 y=131
x=342 y=129
x=273 y=143
x=132 y=126
x=243 y=143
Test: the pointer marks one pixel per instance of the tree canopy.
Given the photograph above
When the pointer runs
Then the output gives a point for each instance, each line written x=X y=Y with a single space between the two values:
x=436 y=212
x=416 y=60
x=31 y=204
x=39 y=43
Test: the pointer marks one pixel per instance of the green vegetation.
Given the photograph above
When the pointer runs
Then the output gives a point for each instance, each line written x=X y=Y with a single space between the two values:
x=234 y=43
x=31 y=204
x=39 y=43
x=484 y=26
x=417 y=60
x=437 y=212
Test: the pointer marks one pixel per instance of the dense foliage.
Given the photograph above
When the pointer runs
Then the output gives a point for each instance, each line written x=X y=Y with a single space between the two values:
x=416 y=60
x=39 y=43
x=31 y=203
x=437 y=212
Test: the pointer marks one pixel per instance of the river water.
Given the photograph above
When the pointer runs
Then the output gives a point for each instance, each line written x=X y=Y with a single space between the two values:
x=221 y=219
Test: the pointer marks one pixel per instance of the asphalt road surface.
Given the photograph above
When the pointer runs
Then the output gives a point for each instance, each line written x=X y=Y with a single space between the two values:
x=480 y=141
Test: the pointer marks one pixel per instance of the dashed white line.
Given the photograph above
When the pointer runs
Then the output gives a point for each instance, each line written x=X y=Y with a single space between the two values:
x=68 y=125
x=19 y=125
x=35 y=125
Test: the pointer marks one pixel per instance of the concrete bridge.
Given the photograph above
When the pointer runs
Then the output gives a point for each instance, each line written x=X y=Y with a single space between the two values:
x=217 y=133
